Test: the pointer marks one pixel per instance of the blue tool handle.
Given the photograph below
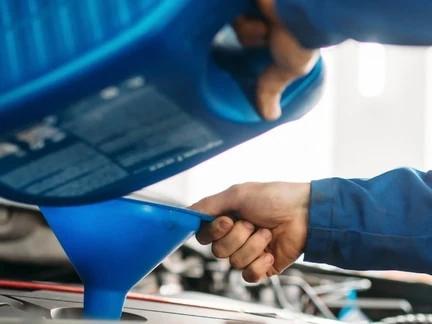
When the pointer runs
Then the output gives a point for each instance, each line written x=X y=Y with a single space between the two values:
x=232 y=75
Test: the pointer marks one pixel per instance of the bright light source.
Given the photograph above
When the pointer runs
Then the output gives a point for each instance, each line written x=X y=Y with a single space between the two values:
x=371 y=69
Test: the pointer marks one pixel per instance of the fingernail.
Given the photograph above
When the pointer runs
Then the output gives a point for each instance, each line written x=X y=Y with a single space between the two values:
x=268 y=258
x=273 y=113
x=249 y=226
x=265 y=233
x=225 y=225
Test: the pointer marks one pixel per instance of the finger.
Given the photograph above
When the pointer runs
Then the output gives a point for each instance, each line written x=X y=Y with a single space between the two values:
x=291 y=61
x=270 y=87
x=257 y=270
x=221 y=203
x=252 y=249
x=268 y=9
x=288 y=53
x=215 y=230
x=234 y=240
x=251 y=31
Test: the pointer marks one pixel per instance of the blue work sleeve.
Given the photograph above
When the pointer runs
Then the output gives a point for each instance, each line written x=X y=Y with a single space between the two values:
x=319 y=23
x=384 y=223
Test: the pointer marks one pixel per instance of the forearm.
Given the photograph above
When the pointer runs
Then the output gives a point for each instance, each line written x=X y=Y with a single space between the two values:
x=377 y=224
x=319 y=23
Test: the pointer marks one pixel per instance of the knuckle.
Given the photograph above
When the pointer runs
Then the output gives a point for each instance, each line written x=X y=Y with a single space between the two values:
x=235 y=190
x=240 y=190
x=256 y=248
x=259 y=241
x=218 y=250
x=266 y=235
x=239 y=240
x=216 y=230
x=236 y=193
x=248 y=184
x=247 y=227
x=202 y=202
x=236 y=262
x=202 y=205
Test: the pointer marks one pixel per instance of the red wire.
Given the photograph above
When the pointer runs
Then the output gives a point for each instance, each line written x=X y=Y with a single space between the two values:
x=32 y=285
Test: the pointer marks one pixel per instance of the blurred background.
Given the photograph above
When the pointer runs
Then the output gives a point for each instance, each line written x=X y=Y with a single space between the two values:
x=375 y=115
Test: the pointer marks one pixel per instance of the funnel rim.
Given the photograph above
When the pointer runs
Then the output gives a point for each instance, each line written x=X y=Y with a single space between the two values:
x=203 y=217
x=183 y=210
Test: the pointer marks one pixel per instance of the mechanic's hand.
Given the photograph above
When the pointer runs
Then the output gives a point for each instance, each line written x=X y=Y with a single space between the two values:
x=291 y=60
x=269 y=233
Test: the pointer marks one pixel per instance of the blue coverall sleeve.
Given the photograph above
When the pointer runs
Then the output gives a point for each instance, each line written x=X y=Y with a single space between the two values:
x=378 y=224
x=319 y=23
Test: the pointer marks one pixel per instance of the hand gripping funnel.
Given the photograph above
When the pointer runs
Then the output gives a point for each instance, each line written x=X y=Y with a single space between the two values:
x=113 y=244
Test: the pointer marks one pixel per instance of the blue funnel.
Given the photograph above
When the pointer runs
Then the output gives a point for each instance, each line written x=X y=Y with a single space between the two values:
x=114 y=244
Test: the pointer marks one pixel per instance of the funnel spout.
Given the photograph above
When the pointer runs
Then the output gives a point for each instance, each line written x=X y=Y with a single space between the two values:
x=103 y=304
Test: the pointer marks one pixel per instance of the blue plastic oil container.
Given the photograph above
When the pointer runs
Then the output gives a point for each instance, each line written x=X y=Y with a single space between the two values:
x=100 y=98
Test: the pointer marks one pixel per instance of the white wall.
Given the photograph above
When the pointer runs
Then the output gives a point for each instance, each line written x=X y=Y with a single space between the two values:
x=374 y=134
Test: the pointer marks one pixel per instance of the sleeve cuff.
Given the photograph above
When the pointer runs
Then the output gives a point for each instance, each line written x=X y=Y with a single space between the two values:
x=319 y=237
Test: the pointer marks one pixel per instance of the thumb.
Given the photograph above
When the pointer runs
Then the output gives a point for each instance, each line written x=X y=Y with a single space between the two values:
x=270 y=87
x=290 y=61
